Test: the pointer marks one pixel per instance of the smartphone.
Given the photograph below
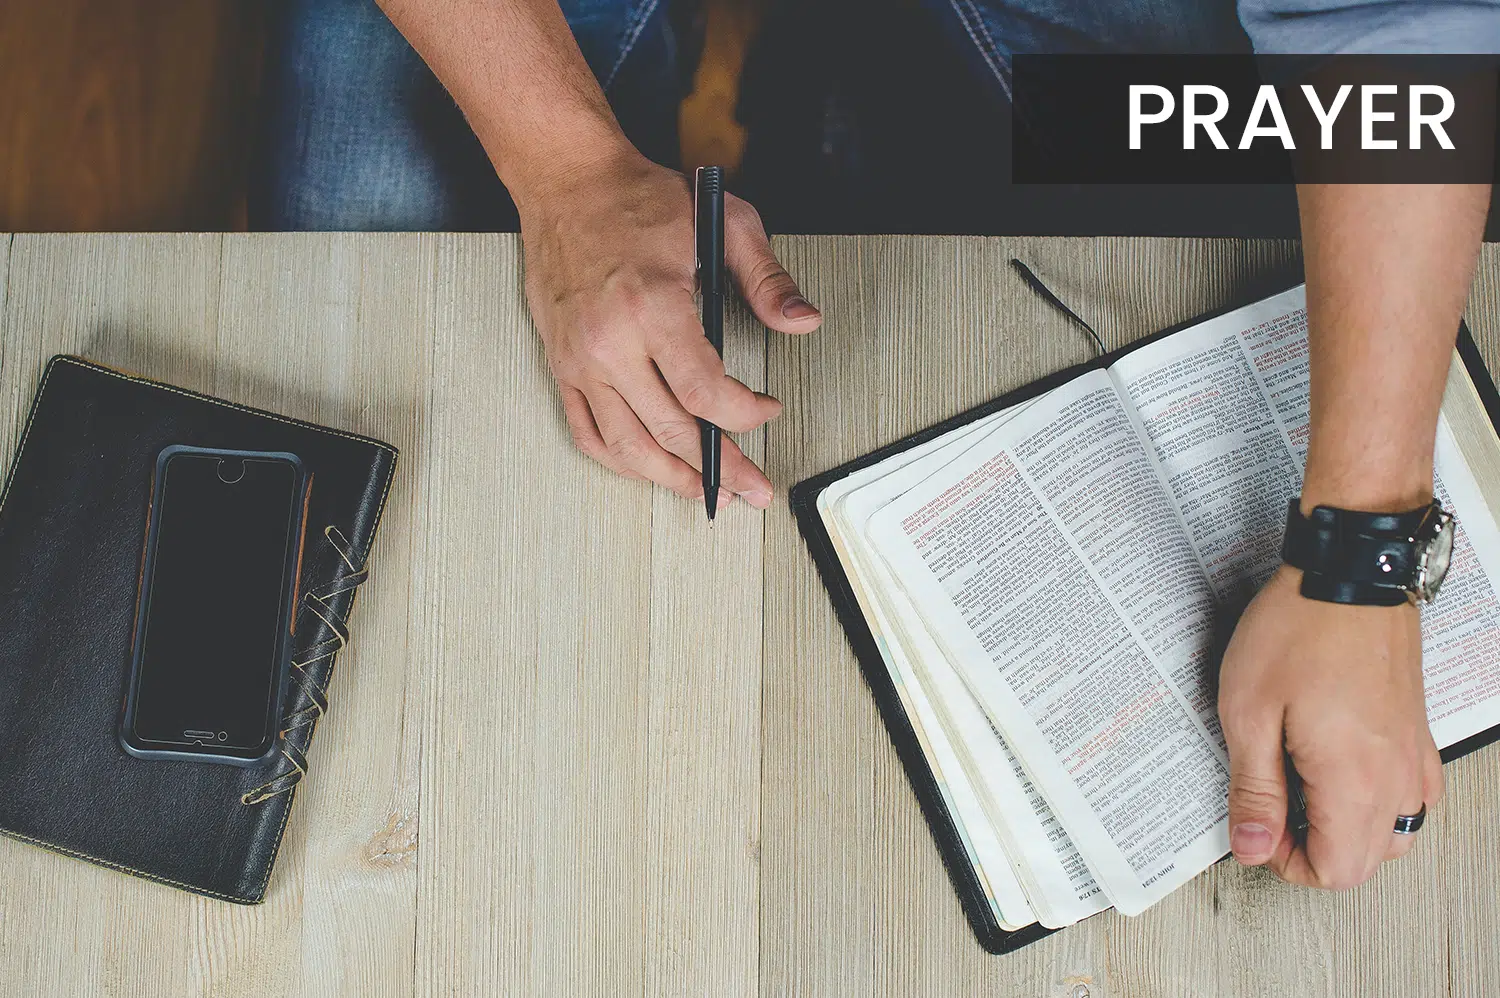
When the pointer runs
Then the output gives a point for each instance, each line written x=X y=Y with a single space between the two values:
x=216 y=608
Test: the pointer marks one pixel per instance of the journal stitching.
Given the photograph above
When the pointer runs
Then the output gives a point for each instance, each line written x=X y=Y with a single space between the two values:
x=5 y=494
x=632 y=34
x=76 y=362
x=123 y=868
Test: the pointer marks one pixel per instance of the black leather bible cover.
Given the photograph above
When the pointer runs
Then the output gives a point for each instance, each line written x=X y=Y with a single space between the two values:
x=950 y=844
x=73 y=514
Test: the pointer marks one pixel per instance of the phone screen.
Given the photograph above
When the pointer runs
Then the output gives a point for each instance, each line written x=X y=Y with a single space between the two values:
x=216 y=603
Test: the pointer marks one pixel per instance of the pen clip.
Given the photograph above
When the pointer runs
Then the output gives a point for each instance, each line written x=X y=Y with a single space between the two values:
x=697 y=245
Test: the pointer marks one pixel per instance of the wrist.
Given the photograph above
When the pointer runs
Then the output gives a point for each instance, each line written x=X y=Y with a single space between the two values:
x=1367 y=482
x=555 y=170
x=1365 y=497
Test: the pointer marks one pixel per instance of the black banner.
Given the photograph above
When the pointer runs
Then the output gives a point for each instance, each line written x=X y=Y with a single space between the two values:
x=1197 y=119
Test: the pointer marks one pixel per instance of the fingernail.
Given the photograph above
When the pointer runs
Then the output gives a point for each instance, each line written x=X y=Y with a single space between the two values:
x=725 y=498
x=773 y=400
x=1251 y=843
x=797 y=307
x=759 y=498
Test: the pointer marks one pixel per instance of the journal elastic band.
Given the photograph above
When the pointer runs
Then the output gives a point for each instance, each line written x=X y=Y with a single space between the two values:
x=298 y=725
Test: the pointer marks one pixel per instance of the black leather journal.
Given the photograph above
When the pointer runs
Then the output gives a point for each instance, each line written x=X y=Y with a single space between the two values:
x=946 y=832
x=73 y=516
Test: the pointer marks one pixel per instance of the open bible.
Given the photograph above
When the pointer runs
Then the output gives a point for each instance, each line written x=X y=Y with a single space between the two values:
x=1039 y=592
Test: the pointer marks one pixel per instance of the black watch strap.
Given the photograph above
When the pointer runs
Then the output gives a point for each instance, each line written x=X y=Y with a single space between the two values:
x=1352 y=557
x=1329 y=590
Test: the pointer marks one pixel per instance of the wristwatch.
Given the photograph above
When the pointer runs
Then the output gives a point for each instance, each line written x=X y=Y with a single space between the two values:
x=1369 y=559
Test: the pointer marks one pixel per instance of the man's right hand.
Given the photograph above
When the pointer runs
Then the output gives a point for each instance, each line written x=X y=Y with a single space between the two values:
x=610 y=278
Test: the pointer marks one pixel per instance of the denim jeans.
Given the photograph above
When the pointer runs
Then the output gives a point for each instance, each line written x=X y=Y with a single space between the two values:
x=359 y=135
x=989 y=32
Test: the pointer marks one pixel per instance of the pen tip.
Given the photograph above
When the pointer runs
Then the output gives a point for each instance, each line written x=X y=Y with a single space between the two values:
x=711 y=501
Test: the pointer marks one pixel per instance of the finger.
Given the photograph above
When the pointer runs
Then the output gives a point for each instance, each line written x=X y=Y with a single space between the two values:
x=1257 y=787
x=1281 y=856
x=585 y=431
x=1424 y=796
x=679 y=433
x=1433 y=783
x=764 y=284
x=1399 y=845
x=742 y=477
x=629 y=443
x=1313 y=865
x=1292 y=866
x=1349 y=826
x=694 y=371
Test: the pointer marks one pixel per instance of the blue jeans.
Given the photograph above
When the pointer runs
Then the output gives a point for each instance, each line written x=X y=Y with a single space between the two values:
x=989 y=32
x=359 y=135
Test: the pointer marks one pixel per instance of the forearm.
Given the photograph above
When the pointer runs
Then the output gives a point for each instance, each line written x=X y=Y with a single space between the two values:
x=1388 y=272
x=515 y=70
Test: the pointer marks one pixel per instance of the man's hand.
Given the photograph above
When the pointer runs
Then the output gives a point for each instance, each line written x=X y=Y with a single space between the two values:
x=609 y=246
x=610 y=277
x=1341 y=688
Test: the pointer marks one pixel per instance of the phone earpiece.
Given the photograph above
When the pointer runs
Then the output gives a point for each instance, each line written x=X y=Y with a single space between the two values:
x=231 y=470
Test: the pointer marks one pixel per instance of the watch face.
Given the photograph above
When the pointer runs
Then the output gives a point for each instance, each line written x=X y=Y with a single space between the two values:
x=1433 y=564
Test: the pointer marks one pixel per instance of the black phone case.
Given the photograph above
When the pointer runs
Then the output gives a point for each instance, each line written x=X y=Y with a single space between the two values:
x=803 y=498
x=130 y=741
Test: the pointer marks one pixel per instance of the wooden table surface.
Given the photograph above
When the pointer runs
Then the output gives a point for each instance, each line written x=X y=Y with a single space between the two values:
x=581 y=743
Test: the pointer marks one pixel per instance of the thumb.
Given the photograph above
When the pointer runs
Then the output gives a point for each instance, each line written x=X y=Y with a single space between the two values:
x=1257 y=792
x=763 y=282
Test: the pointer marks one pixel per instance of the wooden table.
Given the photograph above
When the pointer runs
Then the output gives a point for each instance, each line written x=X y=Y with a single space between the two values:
x=582 y=744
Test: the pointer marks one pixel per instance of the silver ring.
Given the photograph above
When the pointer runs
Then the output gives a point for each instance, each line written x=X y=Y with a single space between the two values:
x=1407 y=824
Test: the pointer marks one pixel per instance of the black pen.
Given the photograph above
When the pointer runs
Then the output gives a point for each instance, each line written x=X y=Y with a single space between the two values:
x=708 y=204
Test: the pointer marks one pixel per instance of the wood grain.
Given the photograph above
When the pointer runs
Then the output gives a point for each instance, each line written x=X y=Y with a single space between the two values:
x=581 y=743
x=66 y=927
x=535 y=751
x=319 y=327
x=5 y=412
x=126 y=114
x=704 y=786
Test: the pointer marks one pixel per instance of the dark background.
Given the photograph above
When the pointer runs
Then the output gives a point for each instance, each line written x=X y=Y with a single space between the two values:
x=126 y=114
x=848 y=116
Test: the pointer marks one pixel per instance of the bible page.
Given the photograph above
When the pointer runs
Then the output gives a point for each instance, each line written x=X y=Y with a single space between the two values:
x=1019 y=556
x=989 y=858
x=1225 y=404
x=1055 y=877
